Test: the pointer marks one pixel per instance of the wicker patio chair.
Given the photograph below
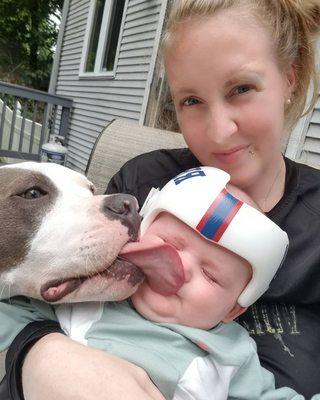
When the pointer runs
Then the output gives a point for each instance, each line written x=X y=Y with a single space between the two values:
x=120 y=141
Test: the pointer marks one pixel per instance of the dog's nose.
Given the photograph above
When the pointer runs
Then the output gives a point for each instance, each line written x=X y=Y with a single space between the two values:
x=125 y=208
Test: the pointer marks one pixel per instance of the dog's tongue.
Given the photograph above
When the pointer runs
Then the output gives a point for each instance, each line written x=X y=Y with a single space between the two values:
x=160 y=263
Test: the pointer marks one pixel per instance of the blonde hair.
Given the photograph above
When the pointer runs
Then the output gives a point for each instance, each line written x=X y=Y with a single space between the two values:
x=293 y=25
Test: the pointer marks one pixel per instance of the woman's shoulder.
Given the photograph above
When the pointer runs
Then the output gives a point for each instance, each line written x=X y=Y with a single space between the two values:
x=156 y=165
x=306 y=175
x=304 y=180
x=306 y=168
x=171 y=157
x=154 y=169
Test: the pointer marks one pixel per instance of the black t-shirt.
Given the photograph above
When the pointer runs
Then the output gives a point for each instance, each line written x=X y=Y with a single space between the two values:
x=285 y=323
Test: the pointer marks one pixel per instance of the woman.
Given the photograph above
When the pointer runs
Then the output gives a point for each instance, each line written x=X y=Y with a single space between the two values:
x=239 y=73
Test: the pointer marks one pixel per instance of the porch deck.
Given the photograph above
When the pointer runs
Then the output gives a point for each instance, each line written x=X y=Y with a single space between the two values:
x=27 y=118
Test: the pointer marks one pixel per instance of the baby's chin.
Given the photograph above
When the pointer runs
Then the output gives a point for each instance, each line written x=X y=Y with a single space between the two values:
x=167 y=309
x=156 y=307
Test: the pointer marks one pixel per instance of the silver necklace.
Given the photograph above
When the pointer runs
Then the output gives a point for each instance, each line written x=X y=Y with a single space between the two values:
x=252 y=154
x=270 y=189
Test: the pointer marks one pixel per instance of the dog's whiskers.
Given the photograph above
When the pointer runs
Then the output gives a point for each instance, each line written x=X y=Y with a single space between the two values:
x=2 y=290
x=88 y=269
x=43 y=277
x=94 y=261
x=9 y=290
x=6 y=288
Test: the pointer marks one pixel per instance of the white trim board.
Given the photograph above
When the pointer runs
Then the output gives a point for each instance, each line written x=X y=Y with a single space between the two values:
x=153 y=62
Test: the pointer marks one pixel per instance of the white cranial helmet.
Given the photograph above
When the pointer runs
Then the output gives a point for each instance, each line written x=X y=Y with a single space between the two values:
x=199 y=198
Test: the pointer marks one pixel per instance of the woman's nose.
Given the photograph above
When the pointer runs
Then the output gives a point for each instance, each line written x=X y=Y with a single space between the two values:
x=221 y=124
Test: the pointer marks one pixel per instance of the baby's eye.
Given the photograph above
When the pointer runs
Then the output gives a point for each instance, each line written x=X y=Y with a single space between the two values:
x=190 y=101
x=208 y=276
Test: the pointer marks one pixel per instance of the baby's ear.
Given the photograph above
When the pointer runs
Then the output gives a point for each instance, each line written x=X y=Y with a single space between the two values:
x=234 y=313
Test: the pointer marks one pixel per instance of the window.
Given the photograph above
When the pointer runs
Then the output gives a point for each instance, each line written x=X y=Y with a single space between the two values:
x=101 y=42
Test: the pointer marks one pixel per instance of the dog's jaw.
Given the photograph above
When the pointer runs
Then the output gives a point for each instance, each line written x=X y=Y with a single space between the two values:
x=118 y=279
x=75 y=252
x=74 y=239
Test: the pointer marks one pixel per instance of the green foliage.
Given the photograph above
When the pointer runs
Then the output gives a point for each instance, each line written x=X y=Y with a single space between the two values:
x=27 y=39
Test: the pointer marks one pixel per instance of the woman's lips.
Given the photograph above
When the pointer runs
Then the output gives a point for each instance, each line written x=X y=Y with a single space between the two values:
x=232 y=155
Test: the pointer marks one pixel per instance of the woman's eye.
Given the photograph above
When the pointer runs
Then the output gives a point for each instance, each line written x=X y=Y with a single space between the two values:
x=191 y=101
x=208 y=276
x=33 y=193
x=242 y=89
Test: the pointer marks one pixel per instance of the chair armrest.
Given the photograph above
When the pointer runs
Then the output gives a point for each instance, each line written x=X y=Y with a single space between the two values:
x=119 y=142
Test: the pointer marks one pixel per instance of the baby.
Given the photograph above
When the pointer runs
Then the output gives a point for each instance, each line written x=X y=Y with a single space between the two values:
x=228 y=252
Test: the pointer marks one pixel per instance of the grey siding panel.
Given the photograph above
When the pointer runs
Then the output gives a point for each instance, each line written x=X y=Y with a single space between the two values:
x=311 y=148
x=316 y=116
x=98 y=101
x=117 y=91
x=314 y=131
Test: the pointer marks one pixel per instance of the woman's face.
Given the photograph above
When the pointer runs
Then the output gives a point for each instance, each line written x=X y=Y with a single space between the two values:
x=229 y=94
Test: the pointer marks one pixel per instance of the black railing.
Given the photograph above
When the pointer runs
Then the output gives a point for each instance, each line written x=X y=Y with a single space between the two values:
x=27 y=118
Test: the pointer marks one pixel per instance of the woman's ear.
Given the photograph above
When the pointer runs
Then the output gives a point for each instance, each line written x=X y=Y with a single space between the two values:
x=291 y=80
x=234 y=313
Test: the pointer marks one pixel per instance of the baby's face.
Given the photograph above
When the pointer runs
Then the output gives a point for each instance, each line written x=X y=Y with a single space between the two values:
x=214 y=279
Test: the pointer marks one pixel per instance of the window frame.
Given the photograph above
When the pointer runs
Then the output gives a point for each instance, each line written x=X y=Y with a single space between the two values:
x=102 y=41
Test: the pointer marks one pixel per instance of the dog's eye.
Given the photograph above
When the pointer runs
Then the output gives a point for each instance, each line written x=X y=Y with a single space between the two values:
x=92 y=189
x=33 y=193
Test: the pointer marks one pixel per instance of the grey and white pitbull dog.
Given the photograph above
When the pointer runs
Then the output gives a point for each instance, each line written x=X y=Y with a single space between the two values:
x=60 y=242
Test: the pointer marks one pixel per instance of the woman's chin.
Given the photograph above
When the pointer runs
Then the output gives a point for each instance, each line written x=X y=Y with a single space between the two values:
x=241 y=171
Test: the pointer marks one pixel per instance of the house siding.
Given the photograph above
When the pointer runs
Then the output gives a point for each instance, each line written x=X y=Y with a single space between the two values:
x=98 y=101
x=304 y=142
x=310 y=152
